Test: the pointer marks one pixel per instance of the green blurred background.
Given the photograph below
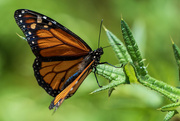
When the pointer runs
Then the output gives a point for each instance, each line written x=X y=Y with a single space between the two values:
x=152 y=22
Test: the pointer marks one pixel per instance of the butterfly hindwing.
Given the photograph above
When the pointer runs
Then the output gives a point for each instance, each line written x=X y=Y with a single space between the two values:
x=53 y=76
x=73 y=86
x=48 y=39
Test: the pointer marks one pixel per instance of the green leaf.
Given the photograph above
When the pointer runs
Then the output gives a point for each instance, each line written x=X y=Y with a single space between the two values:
x=133 y=49
x=131 y=76
x=170 y=107
x=172 y=93
x=115 y=75
x=169 y=115
x=177 y=55
x=135 y=71
x=109 y=72
x=118 y=47
x=139 y=32
x=110 y=91
x=113 y=83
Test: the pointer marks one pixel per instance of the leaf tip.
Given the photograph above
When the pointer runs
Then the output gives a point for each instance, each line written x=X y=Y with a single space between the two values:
x=121 y=17
x=172 y=40
x=91 y=93
x=104 y=27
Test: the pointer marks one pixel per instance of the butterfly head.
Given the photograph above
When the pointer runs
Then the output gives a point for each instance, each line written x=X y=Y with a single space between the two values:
x=99 y=51
x=97 y=54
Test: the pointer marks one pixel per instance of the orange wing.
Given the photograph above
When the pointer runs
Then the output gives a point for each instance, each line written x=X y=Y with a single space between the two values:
x=53 y=76
x=63 y=60
x=71 y=88
x=59 y=52
x=48 y=39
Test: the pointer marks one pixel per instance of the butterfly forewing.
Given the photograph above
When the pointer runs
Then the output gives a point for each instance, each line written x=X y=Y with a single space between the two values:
x=58 y=50
x=48 y=39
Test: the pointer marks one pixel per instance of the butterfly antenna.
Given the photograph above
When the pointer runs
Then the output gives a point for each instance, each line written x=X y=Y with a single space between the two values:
x=100 y=33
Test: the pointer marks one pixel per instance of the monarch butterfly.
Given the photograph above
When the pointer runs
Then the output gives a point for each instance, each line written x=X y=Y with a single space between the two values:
x=63 y=59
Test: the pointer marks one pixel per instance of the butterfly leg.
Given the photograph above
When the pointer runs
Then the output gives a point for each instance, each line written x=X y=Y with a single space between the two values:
x=104 y=63
x=96 y=77
x=111 y=64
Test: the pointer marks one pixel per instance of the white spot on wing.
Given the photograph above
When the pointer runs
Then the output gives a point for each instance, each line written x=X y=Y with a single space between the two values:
x=53 y=22
x=44 y=17
x=29 y=33
x=22 y=11
x=39 y=19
